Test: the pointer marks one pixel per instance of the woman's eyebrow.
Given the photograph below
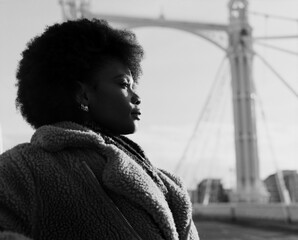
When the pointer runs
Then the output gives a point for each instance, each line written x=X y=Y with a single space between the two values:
x=126 y=76
x=121 y=76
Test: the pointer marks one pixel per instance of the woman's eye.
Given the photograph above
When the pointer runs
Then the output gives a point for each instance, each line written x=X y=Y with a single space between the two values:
x=124 y=85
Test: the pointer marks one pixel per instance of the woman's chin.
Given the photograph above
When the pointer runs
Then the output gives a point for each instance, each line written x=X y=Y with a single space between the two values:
x=131 y=128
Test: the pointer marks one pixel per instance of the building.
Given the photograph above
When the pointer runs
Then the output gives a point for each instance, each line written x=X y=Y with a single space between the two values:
x=275 y=186
x=211 y=191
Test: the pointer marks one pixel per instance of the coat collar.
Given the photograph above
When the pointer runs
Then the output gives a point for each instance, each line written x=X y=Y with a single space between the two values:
x=54 y=138
x=121 y=173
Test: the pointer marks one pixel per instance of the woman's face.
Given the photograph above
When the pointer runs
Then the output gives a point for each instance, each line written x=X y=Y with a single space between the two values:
x=112 y=101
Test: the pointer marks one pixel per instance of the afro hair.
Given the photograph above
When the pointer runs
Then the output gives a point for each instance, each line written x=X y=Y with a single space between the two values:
x=63 y=55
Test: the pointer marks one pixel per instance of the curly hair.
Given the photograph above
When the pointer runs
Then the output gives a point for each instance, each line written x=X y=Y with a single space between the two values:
x=64 y=54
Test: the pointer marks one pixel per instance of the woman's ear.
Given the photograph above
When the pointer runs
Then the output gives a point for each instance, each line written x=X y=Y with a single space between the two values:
x=82 y=94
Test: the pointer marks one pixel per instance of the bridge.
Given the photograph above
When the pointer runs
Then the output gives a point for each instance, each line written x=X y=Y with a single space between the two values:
x=250 y=199
x=213 y=230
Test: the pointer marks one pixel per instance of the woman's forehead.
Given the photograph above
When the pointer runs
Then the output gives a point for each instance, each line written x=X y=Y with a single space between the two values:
x=113 y=70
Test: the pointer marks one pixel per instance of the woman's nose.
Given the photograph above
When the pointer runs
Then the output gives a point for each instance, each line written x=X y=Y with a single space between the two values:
x=135 y=99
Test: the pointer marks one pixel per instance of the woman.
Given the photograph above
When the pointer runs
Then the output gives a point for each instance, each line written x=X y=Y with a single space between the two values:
x=79 y=177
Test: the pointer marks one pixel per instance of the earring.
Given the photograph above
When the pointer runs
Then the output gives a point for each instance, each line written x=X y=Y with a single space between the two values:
x=84 y=107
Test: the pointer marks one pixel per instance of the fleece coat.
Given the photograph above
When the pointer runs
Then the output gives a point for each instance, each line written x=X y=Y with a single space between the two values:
x=70 y=183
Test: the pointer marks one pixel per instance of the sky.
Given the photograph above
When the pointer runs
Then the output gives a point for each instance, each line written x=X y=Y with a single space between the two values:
x=178 y=71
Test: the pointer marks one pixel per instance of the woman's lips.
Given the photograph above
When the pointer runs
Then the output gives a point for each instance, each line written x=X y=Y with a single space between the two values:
x=136 y=114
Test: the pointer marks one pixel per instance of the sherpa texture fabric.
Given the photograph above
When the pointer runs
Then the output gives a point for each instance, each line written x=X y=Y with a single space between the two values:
x=46 y=191
x=12 y=236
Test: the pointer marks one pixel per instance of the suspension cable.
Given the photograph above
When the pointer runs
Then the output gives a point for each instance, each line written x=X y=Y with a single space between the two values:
x=270 y=16
x=199 y=120
x=208 y=190
x=277 y=48
x=291 y=89
x=281 y=37
x=265 y=15
x=283 y=192
x=204 y=135
x=215 y=115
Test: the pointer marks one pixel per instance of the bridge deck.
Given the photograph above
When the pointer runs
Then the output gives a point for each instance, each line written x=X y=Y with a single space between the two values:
x=213 y=230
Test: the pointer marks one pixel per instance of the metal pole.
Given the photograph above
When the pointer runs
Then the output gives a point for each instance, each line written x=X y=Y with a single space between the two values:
x=249 y=186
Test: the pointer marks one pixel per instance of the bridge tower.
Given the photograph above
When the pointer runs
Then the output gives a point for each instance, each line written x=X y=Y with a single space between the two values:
x=249 y=186
x=238 y=46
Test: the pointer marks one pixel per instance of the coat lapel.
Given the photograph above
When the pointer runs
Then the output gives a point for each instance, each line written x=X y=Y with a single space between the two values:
x=180 y=204
x=124 y=176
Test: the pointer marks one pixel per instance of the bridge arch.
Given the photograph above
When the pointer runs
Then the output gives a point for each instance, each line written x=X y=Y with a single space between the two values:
x=191 y=31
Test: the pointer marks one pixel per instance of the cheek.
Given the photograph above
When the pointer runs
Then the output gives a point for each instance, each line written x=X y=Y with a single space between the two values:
x=121 y=104
x=112 y=103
